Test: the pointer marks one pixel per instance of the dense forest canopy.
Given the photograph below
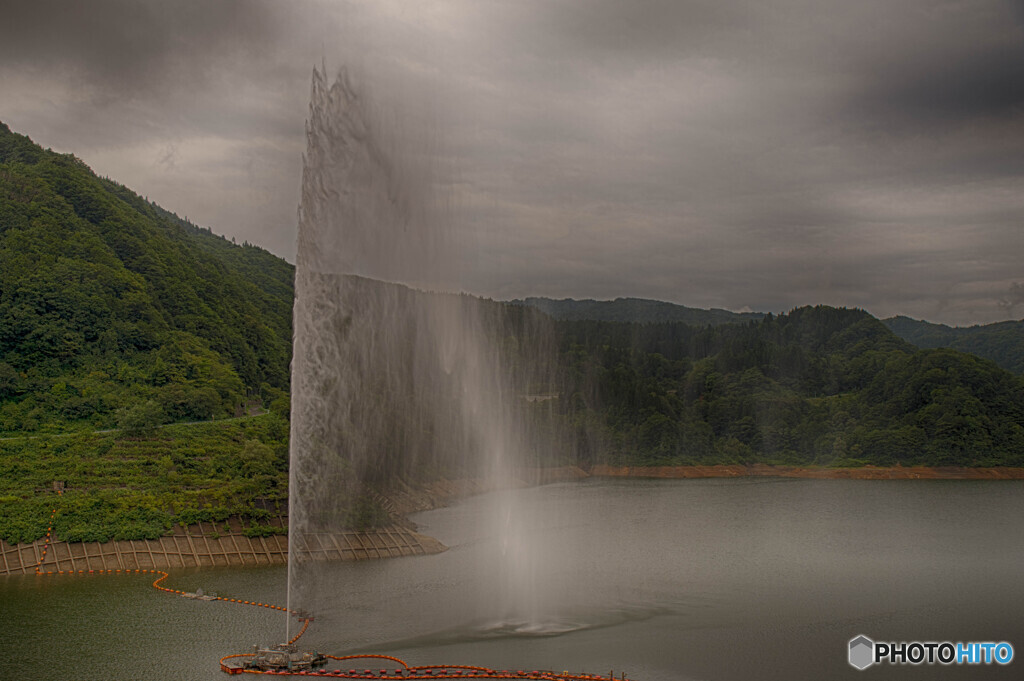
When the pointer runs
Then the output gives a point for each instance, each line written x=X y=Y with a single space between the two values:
x=1001 y=342
x=108 y=301
x=819 y=385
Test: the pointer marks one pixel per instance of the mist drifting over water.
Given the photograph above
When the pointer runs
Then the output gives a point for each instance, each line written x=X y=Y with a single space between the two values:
x=389 y=384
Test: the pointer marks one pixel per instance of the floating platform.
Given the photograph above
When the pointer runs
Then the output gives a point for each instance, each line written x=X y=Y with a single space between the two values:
x=286 y=658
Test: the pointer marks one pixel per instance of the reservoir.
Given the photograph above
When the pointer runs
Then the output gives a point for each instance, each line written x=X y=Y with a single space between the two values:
x=732 y=579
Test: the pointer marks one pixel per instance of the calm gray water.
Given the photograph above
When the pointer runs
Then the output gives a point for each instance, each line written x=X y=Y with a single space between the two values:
x=688 y=579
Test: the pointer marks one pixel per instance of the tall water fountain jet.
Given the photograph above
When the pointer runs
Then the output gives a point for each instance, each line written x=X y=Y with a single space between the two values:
x=389 y=383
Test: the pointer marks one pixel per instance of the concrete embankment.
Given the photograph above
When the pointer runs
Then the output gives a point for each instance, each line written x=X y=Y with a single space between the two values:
x=765 y=470
x=208 y=545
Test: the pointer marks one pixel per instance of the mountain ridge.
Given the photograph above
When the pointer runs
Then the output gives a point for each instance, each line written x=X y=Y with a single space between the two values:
x=1001 y=342
x=636 y=310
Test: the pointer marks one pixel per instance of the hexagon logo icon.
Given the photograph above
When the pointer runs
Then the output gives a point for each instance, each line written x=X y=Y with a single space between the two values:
x=862 y=652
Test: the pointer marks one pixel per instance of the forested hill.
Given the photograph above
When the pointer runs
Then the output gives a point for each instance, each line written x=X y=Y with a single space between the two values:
x=637 y=310
x=817 y=386
x=109 y=304
x=1002 y=342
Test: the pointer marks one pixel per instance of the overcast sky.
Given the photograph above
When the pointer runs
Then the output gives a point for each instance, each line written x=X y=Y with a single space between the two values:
x=743 y=154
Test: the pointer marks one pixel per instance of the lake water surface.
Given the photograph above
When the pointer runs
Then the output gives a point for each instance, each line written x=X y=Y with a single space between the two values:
x=754 y=578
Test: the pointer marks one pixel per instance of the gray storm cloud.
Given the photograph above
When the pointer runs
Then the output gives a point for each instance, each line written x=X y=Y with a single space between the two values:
x=743 y=154
x=1014 y=297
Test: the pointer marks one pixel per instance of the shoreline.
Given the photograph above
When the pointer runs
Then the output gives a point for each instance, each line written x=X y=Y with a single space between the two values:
x=201 y=545
x=767 y=470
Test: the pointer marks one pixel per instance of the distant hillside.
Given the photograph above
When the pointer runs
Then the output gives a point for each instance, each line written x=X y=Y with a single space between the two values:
x=637 y=310
x=817 y=386
x=110 y=303
x=1002 y=342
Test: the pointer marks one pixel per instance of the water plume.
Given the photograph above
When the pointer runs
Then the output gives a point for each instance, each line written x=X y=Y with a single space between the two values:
x=390 y=384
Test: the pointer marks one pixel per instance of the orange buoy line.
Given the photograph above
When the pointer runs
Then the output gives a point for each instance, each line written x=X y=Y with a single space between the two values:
x=305 y=625
x=49 y=533
x=441 y=671
x=156 y=583
x=445 y=671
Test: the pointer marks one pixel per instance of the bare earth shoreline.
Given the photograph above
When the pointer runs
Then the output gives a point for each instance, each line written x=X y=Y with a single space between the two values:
x=859 y=473
x=200 y=546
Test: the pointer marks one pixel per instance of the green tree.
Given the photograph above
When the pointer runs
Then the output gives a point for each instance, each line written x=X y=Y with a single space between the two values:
x=140 y=419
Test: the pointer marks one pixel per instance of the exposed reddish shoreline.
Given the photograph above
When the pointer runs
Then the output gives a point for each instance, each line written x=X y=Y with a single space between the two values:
x=765 y=470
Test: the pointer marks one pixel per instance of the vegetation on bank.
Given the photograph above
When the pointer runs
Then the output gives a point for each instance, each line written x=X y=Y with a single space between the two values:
x=121 y=487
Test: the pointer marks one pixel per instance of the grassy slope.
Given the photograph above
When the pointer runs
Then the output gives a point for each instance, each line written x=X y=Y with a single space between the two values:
x=134 y=488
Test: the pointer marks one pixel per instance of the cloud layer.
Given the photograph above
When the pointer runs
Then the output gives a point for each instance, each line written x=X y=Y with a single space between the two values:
x=749 y=154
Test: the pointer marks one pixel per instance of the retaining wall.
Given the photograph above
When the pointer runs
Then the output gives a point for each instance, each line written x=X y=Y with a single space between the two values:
x=208 y=545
